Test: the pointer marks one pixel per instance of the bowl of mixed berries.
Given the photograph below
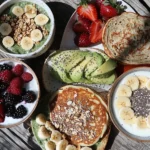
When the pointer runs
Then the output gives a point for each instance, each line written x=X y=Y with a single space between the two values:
x=19 y=92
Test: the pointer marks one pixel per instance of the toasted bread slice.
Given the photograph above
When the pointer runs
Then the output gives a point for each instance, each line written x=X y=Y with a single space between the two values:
x=126 y=38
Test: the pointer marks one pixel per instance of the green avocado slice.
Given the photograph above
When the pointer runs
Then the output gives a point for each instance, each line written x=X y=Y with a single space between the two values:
x=108 y=80
x=77 y=72
x=93 y=64
x=105 y=68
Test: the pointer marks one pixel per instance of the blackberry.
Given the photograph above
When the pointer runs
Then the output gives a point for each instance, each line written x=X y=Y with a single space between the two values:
x=21 y=111
x=11 y=99
x=29 y=97
x=5 y=67
x=9 y=110
x=3 y=86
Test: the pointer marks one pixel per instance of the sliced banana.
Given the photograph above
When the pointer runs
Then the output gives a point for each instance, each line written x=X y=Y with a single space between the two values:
x=133 y=82
x=55 y=136
x=41 y=19
x=17 y=11
x=49 y=145
x=143 y=81
x=148 y=121
x=49 y=126
x=36 y=35
x=30 y=11
x=43 y=133
x=86 y=148
x=26 y=43
x=8 y=41
x=61 y=145
x=71 y=147
x=148 y=84
x=40 y=119
x=5 y=29
x=141 y=122
x=127 y=115
x=124 y=90
x=122 y=102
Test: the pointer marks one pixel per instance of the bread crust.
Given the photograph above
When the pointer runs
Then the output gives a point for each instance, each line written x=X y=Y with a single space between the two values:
x=128 y=59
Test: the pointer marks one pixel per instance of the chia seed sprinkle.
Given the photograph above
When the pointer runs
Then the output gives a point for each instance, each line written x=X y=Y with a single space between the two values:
x=140 y=102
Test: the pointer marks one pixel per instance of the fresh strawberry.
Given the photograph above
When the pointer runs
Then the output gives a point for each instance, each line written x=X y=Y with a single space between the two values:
x=16 y=82
x=82 y=25
x=87 y=10
x=96 y=31
x=18 y=70
x=82 y=40
x=99 y=2
x=2 y=111
x=26 y=76
x=14 y=90
x=6 y=76
x=108 y=11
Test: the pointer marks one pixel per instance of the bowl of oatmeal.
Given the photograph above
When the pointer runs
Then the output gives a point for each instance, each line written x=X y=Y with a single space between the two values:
x=26 y=28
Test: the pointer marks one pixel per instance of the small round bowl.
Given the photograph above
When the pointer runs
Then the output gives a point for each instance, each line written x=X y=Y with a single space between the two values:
x=39 y=51
x=33 y=85
x=130 y=131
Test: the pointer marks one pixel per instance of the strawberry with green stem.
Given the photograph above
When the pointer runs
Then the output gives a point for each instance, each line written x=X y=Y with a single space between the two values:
x=87 y=10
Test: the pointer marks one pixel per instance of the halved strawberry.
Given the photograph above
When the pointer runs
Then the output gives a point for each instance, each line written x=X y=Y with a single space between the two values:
x=2 y=112
x=96 y=31
x=82 y=40
x=88 y=11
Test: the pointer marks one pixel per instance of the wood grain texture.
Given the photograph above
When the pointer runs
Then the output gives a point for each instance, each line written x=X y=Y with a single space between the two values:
x=19 y=137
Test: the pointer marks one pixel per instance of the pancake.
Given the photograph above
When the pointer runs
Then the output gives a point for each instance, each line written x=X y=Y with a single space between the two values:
x=80 y=114
x=126 y=38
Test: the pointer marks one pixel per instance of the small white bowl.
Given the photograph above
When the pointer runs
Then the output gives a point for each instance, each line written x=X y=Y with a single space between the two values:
x=50 y=37
x=33 y=85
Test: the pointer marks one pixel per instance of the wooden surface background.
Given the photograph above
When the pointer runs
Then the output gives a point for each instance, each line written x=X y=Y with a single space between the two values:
x=20 y=137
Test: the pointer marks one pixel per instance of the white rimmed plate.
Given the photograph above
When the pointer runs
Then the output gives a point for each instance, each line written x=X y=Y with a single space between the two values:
x=68 y=36
x=33 y=85
x=51 y=84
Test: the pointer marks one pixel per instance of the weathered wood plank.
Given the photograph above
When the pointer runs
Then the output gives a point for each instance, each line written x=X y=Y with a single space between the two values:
x=147 y=2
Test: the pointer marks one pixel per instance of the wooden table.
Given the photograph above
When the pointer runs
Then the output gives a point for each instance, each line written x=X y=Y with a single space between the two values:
x=20 y=137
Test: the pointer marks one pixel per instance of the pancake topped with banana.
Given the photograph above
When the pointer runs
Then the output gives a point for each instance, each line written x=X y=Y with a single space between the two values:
x=80 y=114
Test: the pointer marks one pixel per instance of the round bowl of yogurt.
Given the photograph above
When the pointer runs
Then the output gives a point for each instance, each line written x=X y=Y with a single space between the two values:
x=26 y=28
x=129 y=103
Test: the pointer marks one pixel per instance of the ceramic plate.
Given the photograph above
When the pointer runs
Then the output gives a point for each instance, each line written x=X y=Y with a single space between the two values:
x=33 y=85
x=68 y=36
x=51 y=84
x=131 y=131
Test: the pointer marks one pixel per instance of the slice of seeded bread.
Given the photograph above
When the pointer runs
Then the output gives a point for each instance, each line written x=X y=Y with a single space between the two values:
x=126 y=38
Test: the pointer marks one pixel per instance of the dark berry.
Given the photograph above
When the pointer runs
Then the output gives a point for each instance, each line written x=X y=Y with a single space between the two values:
x=5 y=67
x=10 y=110
x=3 y=86
x=21 y=111
x=29 y=97
x=11 y=99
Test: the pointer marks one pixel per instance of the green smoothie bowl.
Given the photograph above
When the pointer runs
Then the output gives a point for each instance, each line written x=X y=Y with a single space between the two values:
x=26 y=28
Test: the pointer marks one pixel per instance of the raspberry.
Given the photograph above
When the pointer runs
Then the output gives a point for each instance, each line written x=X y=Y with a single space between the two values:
x=16 y=82
x=21 y=111
x=5 y=67
x=18 y=70
x=29 y=97
x=26 y=76
x=6 y=76
x=14 y=90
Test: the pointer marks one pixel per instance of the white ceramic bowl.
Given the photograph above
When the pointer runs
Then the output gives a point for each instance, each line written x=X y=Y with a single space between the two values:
x=50 y=37
x=33 y=85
